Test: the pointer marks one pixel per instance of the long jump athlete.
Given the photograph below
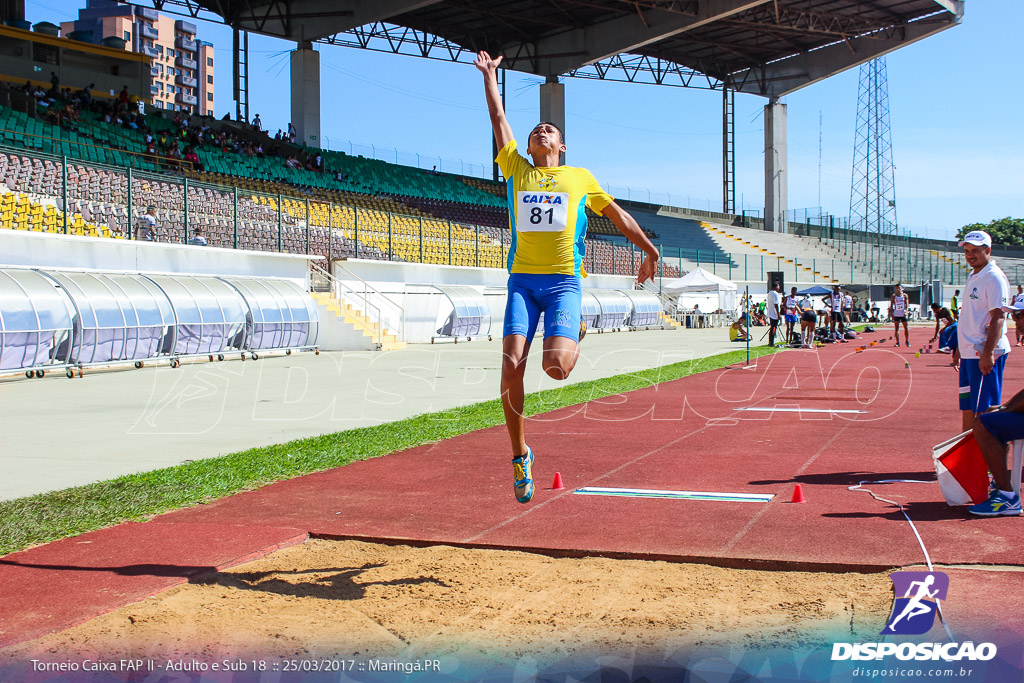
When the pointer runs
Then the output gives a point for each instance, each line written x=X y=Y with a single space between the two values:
x=548 y=224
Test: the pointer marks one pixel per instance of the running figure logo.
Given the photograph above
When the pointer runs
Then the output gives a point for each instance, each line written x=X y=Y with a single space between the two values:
x=914 y=612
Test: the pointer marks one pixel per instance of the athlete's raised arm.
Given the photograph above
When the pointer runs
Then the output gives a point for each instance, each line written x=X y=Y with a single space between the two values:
x=628 y=226
x=489 y=68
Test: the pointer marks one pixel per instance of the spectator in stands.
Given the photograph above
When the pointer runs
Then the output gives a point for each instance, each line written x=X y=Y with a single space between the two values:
x=145 y=226
x=54 y=82
x=85 y=96
x=123 y=96
x=293 y=162
x=292 y=133
x=257 y=124
x=191 y=157
x=226 y=117
x=278 y=135
x=738 y=330
x=197 y=238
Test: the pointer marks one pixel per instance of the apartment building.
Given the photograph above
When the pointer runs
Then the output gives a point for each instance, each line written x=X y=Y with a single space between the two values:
x=182 y=67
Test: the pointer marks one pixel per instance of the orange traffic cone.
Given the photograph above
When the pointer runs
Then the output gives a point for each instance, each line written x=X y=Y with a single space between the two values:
x=557 y=484
x=798 y=495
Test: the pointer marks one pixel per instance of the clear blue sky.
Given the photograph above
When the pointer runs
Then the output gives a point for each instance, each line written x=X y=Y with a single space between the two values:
x=956 y=101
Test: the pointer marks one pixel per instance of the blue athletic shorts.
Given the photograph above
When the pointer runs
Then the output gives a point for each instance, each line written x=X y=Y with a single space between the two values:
x=791 y=318
x=980 y=392
x=1004 y=426
x=559 y=297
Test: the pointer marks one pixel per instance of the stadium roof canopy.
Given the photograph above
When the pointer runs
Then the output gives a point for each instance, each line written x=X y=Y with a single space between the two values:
x=764 y=47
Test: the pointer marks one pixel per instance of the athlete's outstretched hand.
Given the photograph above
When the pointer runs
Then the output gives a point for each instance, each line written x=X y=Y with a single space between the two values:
x=485 y=63
x=648 y=269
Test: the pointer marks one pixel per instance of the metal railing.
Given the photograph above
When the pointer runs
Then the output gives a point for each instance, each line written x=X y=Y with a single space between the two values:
x=366 y=300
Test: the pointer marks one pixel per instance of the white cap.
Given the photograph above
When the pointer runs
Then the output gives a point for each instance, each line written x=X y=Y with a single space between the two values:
x=978 y=238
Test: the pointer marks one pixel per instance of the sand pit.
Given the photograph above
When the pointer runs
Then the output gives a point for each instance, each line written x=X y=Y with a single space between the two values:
x=347 y=600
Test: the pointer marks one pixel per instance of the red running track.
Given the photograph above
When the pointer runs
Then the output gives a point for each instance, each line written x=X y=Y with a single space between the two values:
x=680 y=435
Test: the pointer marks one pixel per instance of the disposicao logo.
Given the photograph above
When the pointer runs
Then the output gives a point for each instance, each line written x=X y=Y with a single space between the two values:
x=915 y=602
x=914 y=612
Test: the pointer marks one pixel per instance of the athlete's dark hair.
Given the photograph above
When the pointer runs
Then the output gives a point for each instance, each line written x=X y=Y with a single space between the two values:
x=553 y=125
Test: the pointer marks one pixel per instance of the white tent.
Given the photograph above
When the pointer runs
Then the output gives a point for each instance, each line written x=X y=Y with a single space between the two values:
x=702 y=288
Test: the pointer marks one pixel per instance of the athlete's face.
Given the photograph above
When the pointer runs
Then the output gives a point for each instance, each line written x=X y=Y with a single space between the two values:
x=545 y=137
x=976 y=256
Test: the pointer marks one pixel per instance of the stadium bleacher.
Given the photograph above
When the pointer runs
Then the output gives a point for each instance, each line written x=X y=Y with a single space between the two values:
x=369 y=208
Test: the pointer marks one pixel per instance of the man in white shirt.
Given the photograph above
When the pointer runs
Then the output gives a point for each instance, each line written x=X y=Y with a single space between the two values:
x=145 y=226
x=772 y=308
x=982 y=344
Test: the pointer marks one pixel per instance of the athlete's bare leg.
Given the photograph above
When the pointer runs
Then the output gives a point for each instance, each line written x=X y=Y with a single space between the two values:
x=513 y=367
x=560 y=356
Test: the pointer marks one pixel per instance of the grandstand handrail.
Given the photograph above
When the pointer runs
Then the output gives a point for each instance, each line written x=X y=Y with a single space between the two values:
x=364 y=298
x=368 y=287
x=152 y=158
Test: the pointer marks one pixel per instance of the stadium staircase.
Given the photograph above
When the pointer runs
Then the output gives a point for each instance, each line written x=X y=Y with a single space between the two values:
x=381 y=338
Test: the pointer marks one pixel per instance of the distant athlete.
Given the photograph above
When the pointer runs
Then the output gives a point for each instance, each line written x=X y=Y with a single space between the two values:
x=790 y=305
x=899 y=304
x=545 y=260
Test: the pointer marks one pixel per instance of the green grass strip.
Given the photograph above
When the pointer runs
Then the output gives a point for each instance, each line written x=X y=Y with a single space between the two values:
x=136 y=497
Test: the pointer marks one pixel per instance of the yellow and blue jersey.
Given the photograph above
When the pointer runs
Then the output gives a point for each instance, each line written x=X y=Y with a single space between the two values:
x=546 y=213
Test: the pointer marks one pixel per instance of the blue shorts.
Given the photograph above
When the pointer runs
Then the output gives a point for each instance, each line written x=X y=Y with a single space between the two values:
x=1004 y=426
x=791 y=318
x=980 y=392
x=559 y=297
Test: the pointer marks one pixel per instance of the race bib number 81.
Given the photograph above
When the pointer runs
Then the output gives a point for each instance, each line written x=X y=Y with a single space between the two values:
x=542 y=211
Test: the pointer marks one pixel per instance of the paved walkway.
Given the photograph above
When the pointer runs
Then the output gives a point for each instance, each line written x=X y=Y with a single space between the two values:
x=59 y=433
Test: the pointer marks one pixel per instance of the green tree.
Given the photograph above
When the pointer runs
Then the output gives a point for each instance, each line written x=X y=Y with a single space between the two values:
x=1003 y=230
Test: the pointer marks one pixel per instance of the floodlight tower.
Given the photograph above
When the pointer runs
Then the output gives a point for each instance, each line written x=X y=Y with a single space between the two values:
x=873 y=190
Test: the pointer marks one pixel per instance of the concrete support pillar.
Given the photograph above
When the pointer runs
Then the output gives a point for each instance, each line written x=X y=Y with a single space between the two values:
x=775 y=171
x=552 y=104
x=305 y=83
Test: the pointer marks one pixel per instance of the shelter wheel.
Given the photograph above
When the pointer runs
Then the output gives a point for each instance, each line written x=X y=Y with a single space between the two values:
x=255 y=356
x=70 y=373
x=243 y=355
x=318 y=352
x=288 y=352
x=211 y=357
x=30 y=373
x=490 y=338
x=175 y=363
x=220 y=356
x=40 y=373
x=138 y=364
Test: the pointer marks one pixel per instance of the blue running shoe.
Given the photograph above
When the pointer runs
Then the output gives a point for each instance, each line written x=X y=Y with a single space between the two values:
x=997 y=505
x=523 y=471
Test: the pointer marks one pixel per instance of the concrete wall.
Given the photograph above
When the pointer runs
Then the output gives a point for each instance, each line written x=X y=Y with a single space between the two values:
x=42 y=250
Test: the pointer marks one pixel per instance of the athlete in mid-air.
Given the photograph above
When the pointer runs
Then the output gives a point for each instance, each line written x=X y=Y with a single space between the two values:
x=548 y=224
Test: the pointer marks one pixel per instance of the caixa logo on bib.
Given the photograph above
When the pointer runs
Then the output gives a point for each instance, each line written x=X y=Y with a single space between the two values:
x=916 y=597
